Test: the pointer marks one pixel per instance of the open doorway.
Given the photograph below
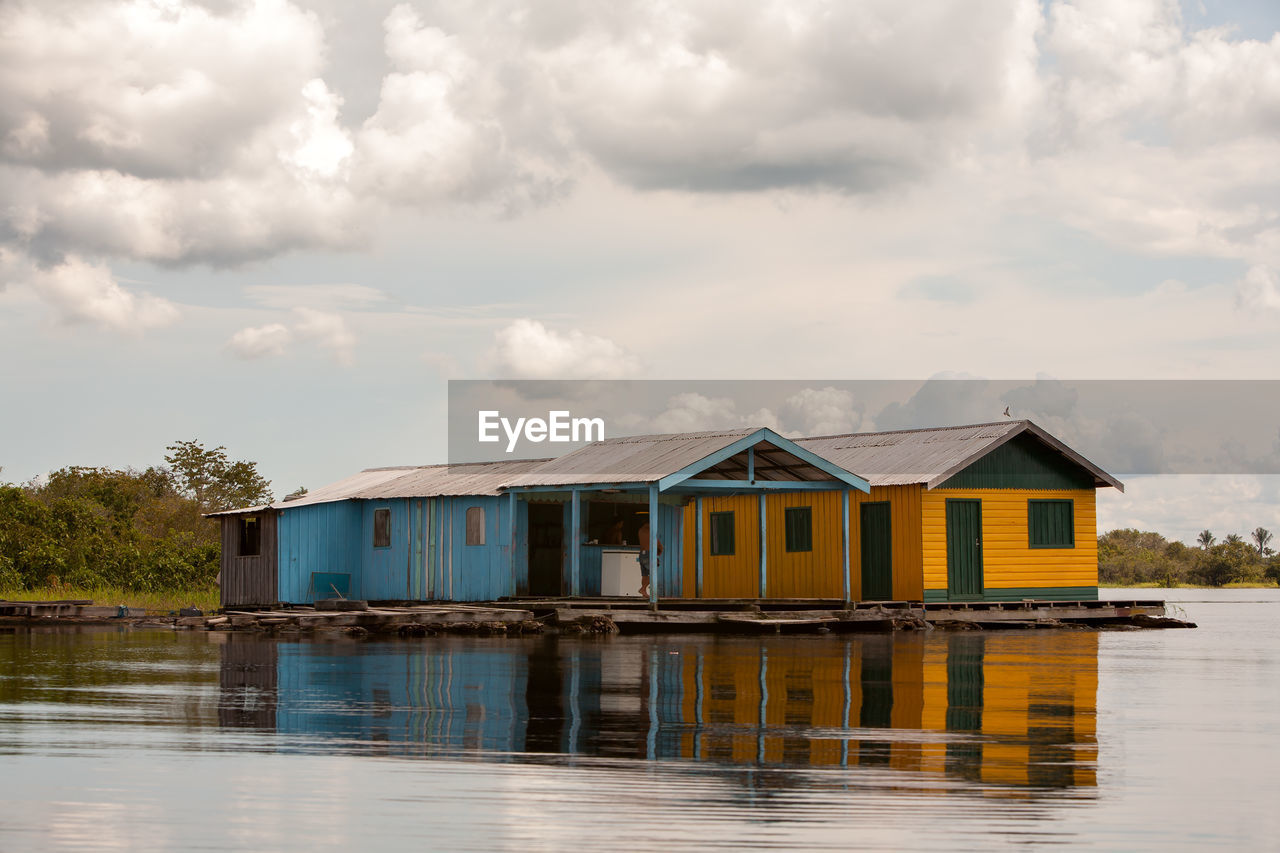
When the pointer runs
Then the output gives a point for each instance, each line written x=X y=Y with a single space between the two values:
x=546 y=548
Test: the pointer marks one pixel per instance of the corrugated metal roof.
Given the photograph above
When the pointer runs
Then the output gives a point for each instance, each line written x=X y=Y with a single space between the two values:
x=629 y=459
x=412 y=481
x=930 y=456
x=471 y=478
x=896 y=458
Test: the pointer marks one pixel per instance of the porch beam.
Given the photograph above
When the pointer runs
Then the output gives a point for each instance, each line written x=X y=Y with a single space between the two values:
x=769 y=485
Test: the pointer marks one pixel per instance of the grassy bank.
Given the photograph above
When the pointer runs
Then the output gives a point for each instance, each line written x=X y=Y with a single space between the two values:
x=160 y=601
x=1267 y=585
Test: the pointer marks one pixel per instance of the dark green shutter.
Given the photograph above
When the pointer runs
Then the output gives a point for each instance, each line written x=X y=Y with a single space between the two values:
x=1051 y=523
x=799 y=526
x=721 y=534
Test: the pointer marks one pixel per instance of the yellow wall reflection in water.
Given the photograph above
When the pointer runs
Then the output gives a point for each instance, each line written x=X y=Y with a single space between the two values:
x=1016 y=709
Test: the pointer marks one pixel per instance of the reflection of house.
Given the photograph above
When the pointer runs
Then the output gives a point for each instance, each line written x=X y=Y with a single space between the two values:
x=1008 y=709
x=988 y=512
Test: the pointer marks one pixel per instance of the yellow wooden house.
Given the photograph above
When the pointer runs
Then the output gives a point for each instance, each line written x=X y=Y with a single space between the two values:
x=985 y=512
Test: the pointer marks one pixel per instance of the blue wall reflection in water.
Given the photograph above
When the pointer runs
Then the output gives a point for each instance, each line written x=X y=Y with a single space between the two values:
x=1015 y=709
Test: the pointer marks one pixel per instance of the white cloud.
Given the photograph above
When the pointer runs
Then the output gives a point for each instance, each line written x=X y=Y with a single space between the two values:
x=1259 y=289
x=328 y=329
x=82 y=292
x=693 y=412
x=260 y=341
x=526 y=349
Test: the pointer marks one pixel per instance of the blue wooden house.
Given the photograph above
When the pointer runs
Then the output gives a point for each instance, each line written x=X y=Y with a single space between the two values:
x=483 y=531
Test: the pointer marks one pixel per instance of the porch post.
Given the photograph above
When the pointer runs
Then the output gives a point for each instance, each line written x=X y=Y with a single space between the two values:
x=697 y=505
x=764 y=551
x=844 y=541
x=515 y=581
x=575 y=543
x=654 y=559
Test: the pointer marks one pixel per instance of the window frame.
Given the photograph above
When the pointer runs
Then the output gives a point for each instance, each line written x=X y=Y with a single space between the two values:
x=792 y=542
x=382 y=512
x=243 y=537
x=467 y=526
x=722 y=517
x=1071 y=527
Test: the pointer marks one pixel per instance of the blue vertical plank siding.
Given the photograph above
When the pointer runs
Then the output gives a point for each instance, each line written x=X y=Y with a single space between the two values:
x=384 y=570
x=322 y=538
x=477 y=572
x=670 y=571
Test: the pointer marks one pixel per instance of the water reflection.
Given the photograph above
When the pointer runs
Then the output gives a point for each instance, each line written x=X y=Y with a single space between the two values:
x=1013 y=710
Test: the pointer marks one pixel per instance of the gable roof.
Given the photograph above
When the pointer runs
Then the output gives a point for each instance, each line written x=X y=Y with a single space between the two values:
x=670 y=459
x=931 y=456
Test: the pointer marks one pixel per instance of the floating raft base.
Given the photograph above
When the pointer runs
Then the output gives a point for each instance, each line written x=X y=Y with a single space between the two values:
x=628 y=615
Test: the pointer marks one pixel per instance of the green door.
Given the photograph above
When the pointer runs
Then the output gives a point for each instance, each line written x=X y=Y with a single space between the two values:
x=877 y=552
x=964 y=549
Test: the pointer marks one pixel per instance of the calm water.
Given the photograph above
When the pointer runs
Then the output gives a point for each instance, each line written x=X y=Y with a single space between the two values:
x=1121 y=740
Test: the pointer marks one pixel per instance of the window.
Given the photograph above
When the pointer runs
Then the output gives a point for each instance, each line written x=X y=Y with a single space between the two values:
x=1051 y=524
x=250 y=536
x=475 y=525
x=799 y=524
x=721 y=534
x=382 y=528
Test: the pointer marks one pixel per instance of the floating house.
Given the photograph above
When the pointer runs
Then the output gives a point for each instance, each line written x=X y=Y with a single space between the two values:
x=989 y=512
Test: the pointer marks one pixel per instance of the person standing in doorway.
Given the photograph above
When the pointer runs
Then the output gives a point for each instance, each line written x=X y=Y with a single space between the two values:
x=646 y=557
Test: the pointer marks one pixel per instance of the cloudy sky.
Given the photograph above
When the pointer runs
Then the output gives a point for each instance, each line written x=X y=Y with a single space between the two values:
x=283 y=226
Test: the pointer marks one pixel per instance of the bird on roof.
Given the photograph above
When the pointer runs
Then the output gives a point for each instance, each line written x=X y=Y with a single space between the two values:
x=1006 y=412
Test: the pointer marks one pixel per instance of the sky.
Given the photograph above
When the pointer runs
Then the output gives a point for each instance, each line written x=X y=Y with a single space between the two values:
x=282 y=227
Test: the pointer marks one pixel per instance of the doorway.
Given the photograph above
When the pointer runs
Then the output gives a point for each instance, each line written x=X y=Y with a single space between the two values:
x=964 y=549
x=546 y=548
x=877 y=551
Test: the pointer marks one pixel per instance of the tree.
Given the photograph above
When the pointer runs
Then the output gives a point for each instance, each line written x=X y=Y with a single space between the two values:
x=1262 y=536
x=1234 y=539
x=1205 y=539
x=216 y=482
x=1225 y=563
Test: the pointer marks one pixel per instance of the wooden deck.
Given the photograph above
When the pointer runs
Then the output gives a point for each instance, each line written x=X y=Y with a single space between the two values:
x=627 y=614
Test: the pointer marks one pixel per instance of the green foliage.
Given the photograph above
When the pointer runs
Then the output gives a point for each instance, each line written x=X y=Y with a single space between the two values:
x=213 y=480
x=133 y=530
x=1131 y=557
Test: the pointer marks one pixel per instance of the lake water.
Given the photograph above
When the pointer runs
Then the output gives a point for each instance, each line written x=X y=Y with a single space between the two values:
x=154 y=739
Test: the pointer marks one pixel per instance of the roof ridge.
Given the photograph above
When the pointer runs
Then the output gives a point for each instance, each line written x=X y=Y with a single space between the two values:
x=1022 y=421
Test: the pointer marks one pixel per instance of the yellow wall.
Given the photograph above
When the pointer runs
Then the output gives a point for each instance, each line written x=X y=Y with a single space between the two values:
x=1007 y=559
x=809 y=574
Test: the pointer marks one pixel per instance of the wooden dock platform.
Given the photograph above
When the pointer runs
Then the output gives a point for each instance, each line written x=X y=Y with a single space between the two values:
x=626 y=614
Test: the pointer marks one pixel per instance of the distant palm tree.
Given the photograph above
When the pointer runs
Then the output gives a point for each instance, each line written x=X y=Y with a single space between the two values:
x=1205 y=539
x=1262 y=536
x=1234 y=538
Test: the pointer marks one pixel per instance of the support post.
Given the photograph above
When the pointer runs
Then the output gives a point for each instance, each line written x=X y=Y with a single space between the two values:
x=844 y=542
x=697 y=505
x=515 y=532
x=764 y=551
x=751 y=465
x=575 y=542
x=653 y=545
